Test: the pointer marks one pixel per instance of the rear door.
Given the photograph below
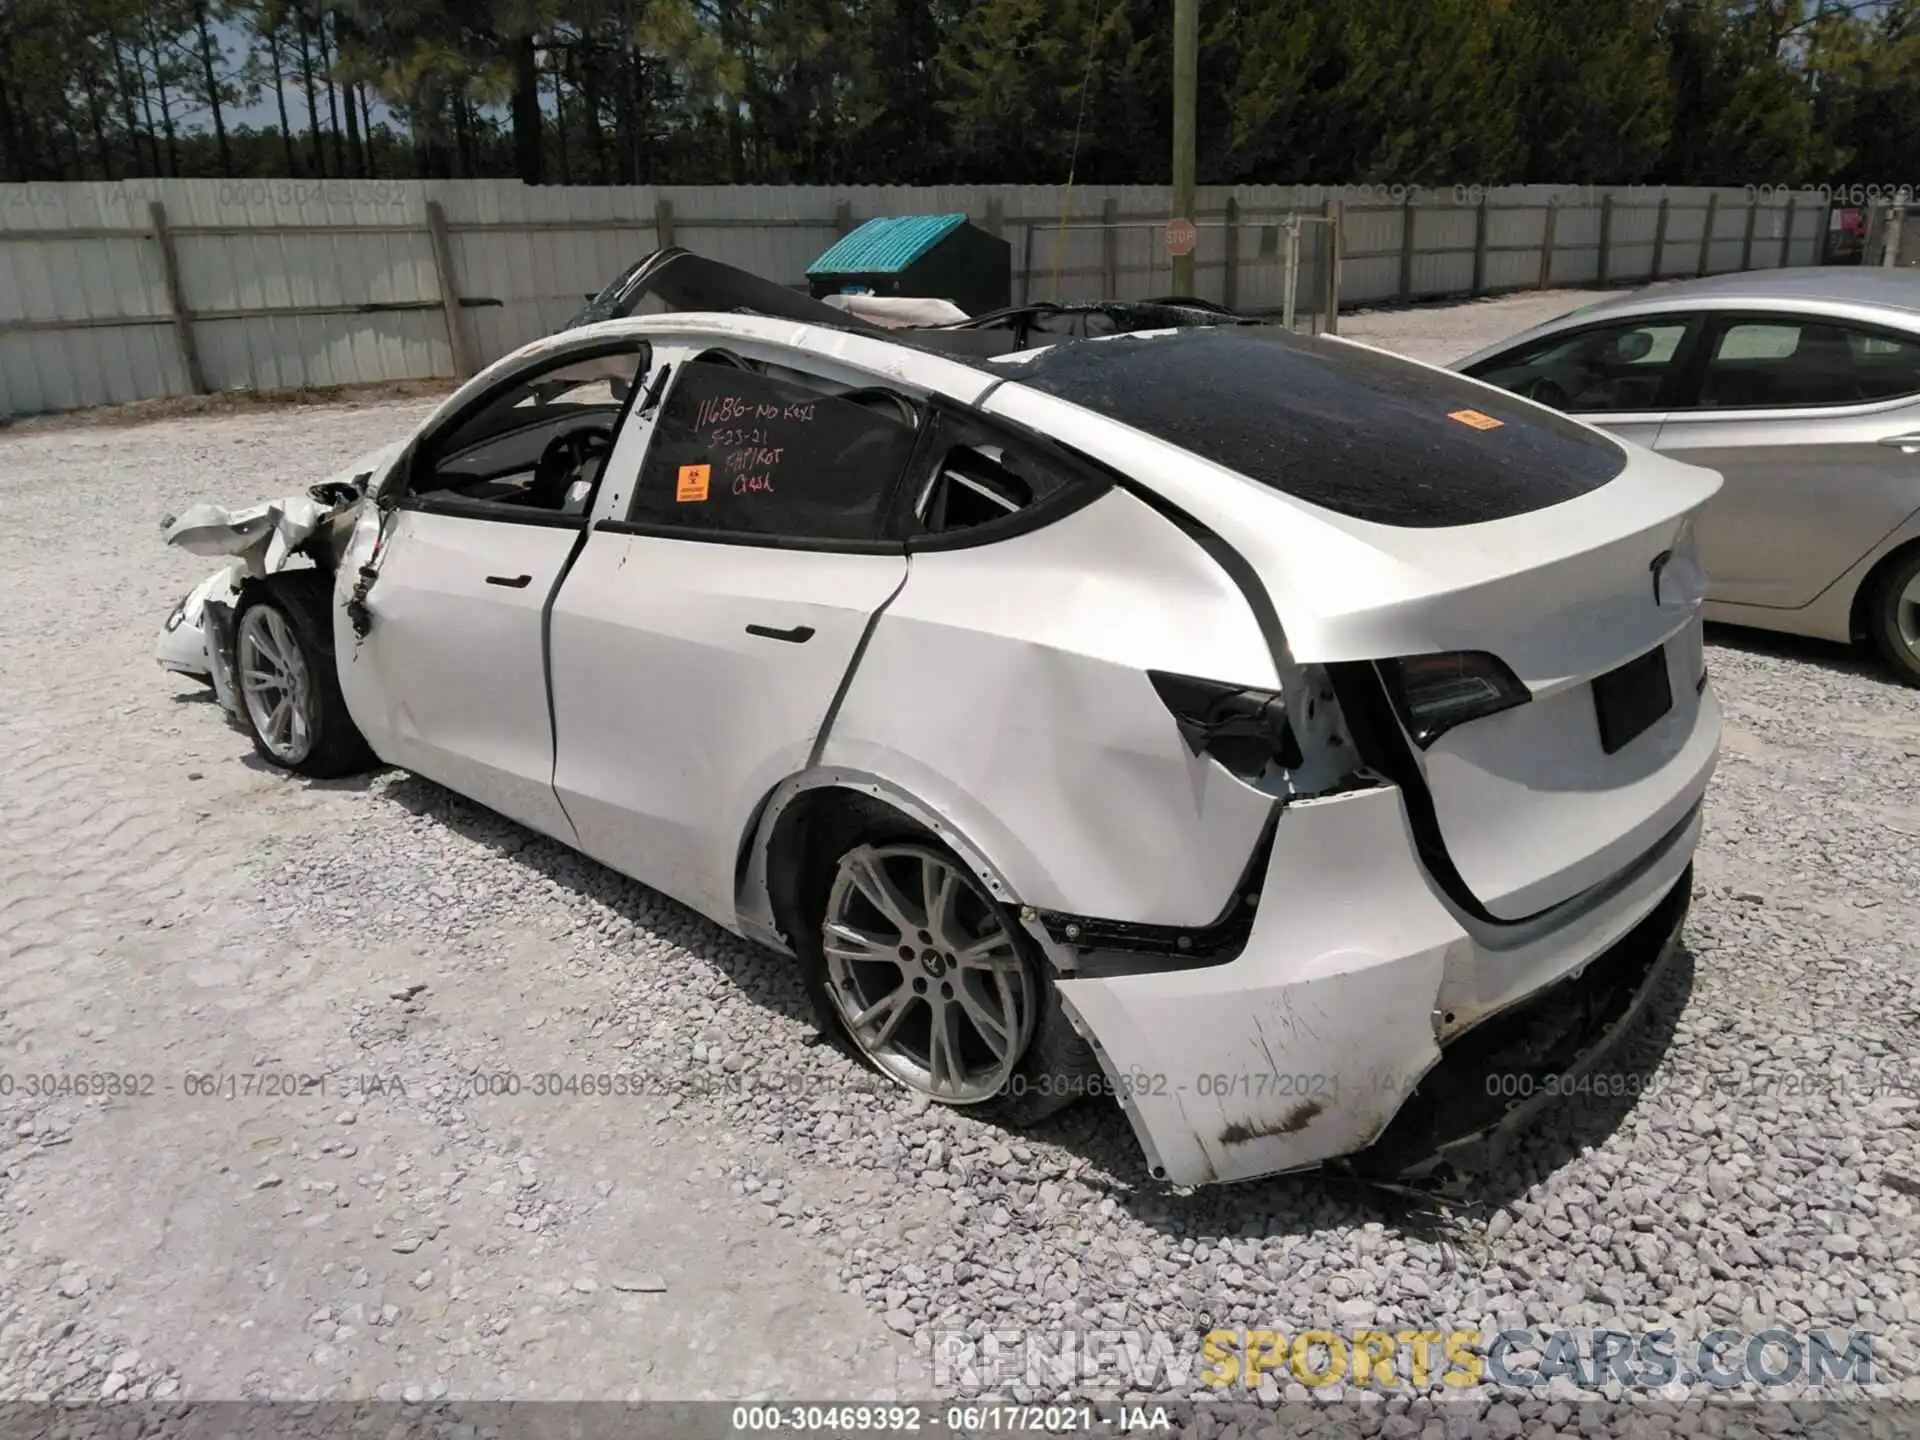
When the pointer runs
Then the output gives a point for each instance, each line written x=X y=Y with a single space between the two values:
x=1815 y=427
x=700 y=640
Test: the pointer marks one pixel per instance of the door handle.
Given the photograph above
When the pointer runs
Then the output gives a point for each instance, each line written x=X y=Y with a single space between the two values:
x=512 y=582
x=798 y=635
x=1905 y=444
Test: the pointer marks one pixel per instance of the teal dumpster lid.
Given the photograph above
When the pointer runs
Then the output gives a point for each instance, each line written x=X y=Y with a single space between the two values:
x=886 y=246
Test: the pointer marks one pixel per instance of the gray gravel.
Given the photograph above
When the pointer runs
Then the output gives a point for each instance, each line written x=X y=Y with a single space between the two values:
x=397 y=1226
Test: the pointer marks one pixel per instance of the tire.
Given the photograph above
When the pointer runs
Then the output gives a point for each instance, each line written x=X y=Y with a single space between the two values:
x=1894 y=620
x=1050 y=1065
x=292 y=612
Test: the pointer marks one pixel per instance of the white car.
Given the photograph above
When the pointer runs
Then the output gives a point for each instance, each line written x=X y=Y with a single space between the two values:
x=1303 y=745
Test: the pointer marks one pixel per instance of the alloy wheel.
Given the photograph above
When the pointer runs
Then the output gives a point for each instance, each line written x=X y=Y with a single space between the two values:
x=275 y=685
x=1906 y=613
x=925 y=974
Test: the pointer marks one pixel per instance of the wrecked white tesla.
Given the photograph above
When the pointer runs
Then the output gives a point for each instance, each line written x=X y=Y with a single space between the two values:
x=1302 y=745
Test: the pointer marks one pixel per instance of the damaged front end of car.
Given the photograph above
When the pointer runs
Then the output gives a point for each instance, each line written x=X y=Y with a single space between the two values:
x=256 y=541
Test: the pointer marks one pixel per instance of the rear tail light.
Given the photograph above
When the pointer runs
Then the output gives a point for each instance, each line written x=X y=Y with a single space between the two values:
x=1243 y=728
x=1434 y=693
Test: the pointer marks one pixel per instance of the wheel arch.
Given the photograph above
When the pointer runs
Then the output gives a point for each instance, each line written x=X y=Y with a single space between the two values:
x=775 y=843
x=1859 y=625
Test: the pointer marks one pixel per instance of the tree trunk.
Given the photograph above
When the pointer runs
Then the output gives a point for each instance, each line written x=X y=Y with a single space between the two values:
x=560 y=117
x=166 y=103
x=333 y=107
x=127 y=116
x=527 y=148
x=10 y=132
x=590 y=98
x=366 y=132
x=213 y=87
x=302 y=24
x=280 y=99
x=462 y=136
x=356 y=155
x=90 y=80
x=146 y=109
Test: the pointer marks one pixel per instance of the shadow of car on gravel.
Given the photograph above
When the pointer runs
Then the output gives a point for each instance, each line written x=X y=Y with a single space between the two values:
x=1097 y=1131
x=351 y=784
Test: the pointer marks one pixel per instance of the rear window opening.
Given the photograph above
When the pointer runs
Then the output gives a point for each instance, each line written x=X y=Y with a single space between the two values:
x=1355 y=431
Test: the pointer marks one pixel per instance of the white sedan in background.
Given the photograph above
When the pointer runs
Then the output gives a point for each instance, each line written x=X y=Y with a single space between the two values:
x=1302 y=745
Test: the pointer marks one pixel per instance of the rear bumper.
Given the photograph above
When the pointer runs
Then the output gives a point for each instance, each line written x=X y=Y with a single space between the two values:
x=1366 y=1013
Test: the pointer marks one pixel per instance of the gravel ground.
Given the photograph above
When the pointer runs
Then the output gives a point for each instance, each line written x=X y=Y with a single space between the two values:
x=309 y=1196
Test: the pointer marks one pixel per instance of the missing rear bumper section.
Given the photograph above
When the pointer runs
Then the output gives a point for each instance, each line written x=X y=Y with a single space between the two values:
x=1498 y=1077
x=1323 y=1038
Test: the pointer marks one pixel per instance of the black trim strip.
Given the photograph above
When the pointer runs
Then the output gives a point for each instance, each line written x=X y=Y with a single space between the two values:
x=741 y=537
x=1021 y=522
x=487 y=510
x=546 y=669
x=1188 y=947
x=853 y=665
x=1383 y=744
x=1238 y=569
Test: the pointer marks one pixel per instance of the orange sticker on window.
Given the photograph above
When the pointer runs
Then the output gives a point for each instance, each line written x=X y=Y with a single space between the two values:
x=1470 y=417
x=693 y=483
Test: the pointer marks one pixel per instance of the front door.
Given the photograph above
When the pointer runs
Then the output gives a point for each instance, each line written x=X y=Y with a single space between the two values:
x=450 y=679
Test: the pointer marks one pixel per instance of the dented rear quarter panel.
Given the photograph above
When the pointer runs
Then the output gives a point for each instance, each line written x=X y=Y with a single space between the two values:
x=1006 y=686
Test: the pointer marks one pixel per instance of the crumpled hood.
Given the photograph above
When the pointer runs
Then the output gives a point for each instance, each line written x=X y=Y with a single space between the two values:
x=268 y=532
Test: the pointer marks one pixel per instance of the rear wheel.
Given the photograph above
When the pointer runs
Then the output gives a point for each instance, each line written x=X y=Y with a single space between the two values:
x=926 y=978
x=1894 y=618
x=289 y=691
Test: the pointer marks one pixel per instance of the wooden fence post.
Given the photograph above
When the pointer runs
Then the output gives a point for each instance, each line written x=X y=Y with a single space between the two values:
x=996 y=217
x=662 y=223
x=1546 y=245
x=843 y=216
x=177 y=300
x=1230 y=286
x=1330 y=302
x=1786 y=234
x=1407 y=213
x=1660 y=238
x=457 y=338
x=1746 y=243
x=1480 y=247
x=1109 y=250
x=1706 y=235
x=1606 y=238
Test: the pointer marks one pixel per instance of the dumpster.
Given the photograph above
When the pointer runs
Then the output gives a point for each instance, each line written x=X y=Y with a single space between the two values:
x=940 y=257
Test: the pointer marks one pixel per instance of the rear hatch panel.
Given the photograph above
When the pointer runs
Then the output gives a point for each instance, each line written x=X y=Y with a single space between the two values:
x=1581 y=562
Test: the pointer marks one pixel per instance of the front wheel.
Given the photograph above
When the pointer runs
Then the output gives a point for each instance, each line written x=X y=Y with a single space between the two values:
x=1895 y=618
x=931 y=982
x=289 y=691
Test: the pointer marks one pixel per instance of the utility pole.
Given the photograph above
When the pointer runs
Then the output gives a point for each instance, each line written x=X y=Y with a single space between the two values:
x=1186 y=95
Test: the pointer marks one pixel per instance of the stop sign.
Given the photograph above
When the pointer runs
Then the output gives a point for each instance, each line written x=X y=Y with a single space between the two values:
x=1181 y=237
